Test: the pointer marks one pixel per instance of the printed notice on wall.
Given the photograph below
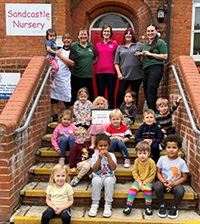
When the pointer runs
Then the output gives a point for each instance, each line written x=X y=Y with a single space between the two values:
x=8 y=82
x=28 y=19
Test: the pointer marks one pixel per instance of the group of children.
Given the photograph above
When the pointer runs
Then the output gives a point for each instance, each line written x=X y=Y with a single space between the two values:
x=170 y=171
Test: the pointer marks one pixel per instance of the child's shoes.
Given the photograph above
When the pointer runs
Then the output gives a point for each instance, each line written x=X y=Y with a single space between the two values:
x=148 y=210
x=127 y=163
x=93 y=210
x=75 y=181
x=127 y=209
x=107 y=213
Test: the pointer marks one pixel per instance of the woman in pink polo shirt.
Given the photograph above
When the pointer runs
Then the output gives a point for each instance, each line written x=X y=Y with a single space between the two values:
x=105 y=70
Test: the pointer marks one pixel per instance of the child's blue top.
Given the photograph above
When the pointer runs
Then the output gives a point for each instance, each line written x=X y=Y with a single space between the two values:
x=53 y=46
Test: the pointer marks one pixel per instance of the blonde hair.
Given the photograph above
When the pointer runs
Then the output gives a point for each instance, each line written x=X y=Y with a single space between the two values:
x=143 y=146
x=66 y=112
x=99 y=99
x=80 y=131
x=148 y=111
x=83 y=90
x=117 y=113
x=58 y=168
x=162 y=101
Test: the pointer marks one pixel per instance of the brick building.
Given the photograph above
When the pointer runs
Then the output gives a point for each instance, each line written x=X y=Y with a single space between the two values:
x=180 y=29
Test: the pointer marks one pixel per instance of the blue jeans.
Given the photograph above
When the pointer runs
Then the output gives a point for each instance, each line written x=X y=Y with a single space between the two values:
x=151 y=80
x=115 y=144
x=65 y=143
x=109 y=81
x=177 y=190
x=50 y=213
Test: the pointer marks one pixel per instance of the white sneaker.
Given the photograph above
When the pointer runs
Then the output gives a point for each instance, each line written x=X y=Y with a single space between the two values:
x=93 y=210
x=107 y=211
x=127 y=163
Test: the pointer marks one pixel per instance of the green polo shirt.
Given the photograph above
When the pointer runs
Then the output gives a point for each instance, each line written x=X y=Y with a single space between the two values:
x=161 y=48
x=84 y=65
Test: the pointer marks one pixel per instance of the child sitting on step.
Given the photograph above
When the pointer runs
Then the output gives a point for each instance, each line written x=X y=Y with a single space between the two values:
x=63 y=135
x=119 y=134
x=172 y=172
x=128 y=107
x=164 y=115
x=144 y=172
x=82 y=109
x=80 y=154
x=150 y=132
x=59 y=196
x=99 y=103
x=103 y=164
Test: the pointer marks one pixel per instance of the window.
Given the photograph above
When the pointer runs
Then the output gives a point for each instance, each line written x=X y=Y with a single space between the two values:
x=115 y=20
x=195 y=43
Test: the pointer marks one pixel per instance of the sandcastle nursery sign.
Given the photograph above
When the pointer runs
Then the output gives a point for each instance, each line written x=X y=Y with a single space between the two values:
x=28 y=19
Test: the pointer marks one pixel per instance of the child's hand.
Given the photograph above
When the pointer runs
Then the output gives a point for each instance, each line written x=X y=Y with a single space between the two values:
x=88 y=119
x=163 y=130
x=59 y=210
x=179 y=99
x=141 y=186
x=58 y=151
x=149 y=141
x=73 y=170
x=101 y=154
x=79 y=118
x=126 y=111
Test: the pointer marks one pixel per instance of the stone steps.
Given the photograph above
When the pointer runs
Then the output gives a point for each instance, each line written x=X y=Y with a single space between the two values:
x=32 y=215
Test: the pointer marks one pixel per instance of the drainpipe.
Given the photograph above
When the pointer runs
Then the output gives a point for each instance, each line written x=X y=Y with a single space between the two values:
x=168 y=28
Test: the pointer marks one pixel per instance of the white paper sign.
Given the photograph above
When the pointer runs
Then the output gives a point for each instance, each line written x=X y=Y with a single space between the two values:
x=100 y=116
x=28 y=19
x=8 y=82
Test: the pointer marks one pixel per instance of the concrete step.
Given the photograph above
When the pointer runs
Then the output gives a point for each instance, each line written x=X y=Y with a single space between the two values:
x=34 y=194
x=32 y=215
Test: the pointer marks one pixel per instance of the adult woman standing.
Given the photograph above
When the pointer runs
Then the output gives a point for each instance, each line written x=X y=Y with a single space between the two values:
x=105 y=70
x=82 y=72
x=128 y=66
x=66 y=58
x=155 y=53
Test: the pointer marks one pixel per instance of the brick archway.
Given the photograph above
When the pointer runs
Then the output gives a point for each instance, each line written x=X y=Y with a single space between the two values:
x=137 y=11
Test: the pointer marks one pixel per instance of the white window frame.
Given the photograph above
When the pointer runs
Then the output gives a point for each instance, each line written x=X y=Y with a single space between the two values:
x=195 y=57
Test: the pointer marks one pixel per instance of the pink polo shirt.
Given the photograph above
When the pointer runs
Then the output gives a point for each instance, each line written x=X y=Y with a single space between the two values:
x=106 y=54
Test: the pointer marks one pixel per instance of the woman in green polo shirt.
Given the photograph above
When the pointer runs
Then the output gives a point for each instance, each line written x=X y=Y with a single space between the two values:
x=82 y=72
x=155 y=54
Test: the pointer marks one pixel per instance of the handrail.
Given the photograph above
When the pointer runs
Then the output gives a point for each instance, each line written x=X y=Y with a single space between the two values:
x=28 y=119
x=194 y=128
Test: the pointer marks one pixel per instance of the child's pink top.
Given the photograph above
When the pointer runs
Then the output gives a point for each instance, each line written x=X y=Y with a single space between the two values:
x=106 y=54
x=59 y=131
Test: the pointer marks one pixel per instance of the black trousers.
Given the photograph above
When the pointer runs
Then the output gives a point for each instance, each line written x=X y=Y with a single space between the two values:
x=50 y=213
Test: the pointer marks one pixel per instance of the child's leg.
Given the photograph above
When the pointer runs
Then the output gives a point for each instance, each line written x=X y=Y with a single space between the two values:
x=148 y=193
x=97 y=185
x=63 y=146
x=113 y=145
x=159 y=189
x=123 y=150
x=66 y=216
x=47 y=215
x=83 y=168
x=93 y=139
x=155 y=152
x=109 y=184
x=55 y=66
x=132 y=193
x=71 y=141
x=178 y=192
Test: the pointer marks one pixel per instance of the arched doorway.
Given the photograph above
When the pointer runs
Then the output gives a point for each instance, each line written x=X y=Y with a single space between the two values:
x=118 y=22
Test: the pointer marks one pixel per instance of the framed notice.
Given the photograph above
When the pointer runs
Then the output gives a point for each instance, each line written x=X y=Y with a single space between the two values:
x=100 y=116
x=8 y=82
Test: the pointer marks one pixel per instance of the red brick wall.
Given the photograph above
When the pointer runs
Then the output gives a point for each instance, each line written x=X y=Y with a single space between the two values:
x=15 y=159
x=190 y=79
